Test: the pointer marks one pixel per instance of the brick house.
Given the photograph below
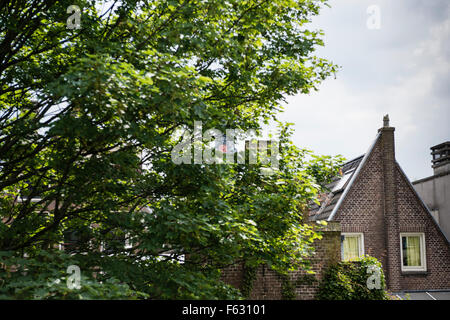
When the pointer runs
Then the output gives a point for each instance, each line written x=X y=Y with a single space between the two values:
x=381 y=215
x=371 y=208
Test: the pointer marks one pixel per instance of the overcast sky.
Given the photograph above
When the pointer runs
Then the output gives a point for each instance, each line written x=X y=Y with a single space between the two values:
x=401 y=69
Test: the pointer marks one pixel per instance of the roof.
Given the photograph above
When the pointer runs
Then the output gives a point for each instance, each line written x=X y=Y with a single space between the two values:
x=440 y=145
x=424 y=295
x=341 y=184
x=329 y=203
x=336 y=187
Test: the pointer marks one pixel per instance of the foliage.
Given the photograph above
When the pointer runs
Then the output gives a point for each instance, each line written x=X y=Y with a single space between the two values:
x=347 y=280
x=287 y=287
x=87 y=118
x=306 y=279
x=248 y=279
x=44 y=276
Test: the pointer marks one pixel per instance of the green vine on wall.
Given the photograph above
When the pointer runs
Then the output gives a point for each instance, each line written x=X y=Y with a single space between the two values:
x=248 y=279
x=348 y=280
x=287 y=287
x=306 y=279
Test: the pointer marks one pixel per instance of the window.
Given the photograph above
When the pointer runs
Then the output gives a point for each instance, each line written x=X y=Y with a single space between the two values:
x=413 y=251
x=352 y=246
x=341 y=183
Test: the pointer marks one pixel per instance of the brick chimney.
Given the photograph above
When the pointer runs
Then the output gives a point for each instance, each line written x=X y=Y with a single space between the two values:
x=390 y=205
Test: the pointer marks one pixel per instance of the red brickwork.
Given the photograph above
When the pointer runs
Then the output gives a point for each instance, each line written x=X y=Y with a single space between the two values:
x=413 y=217
x=362 y=210
x=381 y=204
x=268 y=284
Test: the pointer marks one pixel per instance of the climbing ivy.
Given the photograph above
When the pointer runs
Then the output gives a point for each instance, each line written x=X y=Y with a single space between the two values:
x=287 y=287
x=306 y=279
x=348 y=280
x=248 y=279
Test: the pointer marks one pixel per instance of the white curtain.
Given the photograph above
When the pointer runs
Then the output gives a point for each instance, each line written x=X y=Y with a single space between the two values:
x=412 y=251
x=351 y=247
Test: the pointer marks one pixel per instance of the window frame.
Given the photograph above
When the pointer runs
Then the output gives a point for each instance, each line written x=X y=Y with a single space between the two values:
x=422 y=246
x=360 y=236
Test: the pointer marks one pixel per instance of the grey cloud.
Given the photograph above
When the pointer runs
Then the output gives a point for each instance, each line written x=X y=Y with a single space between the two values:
x=402 y=69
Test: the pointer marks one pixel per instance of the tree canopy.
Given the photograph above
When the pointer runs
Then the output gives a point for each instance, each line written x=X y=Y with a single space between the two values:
x=87 y=122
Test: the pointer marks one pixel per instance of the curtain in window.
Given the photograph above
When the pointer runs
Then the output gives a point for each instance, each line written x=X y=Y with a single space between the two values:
x=412 y=253
x=351 y=248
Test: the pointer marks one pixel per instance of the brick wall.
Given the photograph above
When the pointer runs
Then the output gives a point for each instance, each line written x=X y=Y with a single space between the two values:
x=268 y=284
x=362 y=210
x=413 y=217
x=382 y=204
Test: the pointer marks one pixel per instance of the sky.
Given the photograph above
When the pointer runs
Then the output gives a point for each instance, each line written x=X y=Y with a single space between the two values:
x=398 y=64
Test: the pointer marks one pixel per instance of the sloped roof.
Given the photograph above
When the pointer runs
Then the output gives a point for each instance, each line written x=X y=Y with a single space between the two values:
x=341 y=184
x=339 y=187
x=336 y=187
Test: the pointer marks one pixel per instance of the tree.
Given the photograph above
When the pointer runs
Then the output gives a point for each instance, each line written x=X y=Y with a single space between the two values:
x=87 y=122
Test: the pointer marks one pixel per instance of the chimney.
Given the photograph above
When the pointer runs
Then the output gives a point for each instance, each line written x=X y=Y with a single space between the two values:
x=441 y=158
x=390 y=204
x=388 y=146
